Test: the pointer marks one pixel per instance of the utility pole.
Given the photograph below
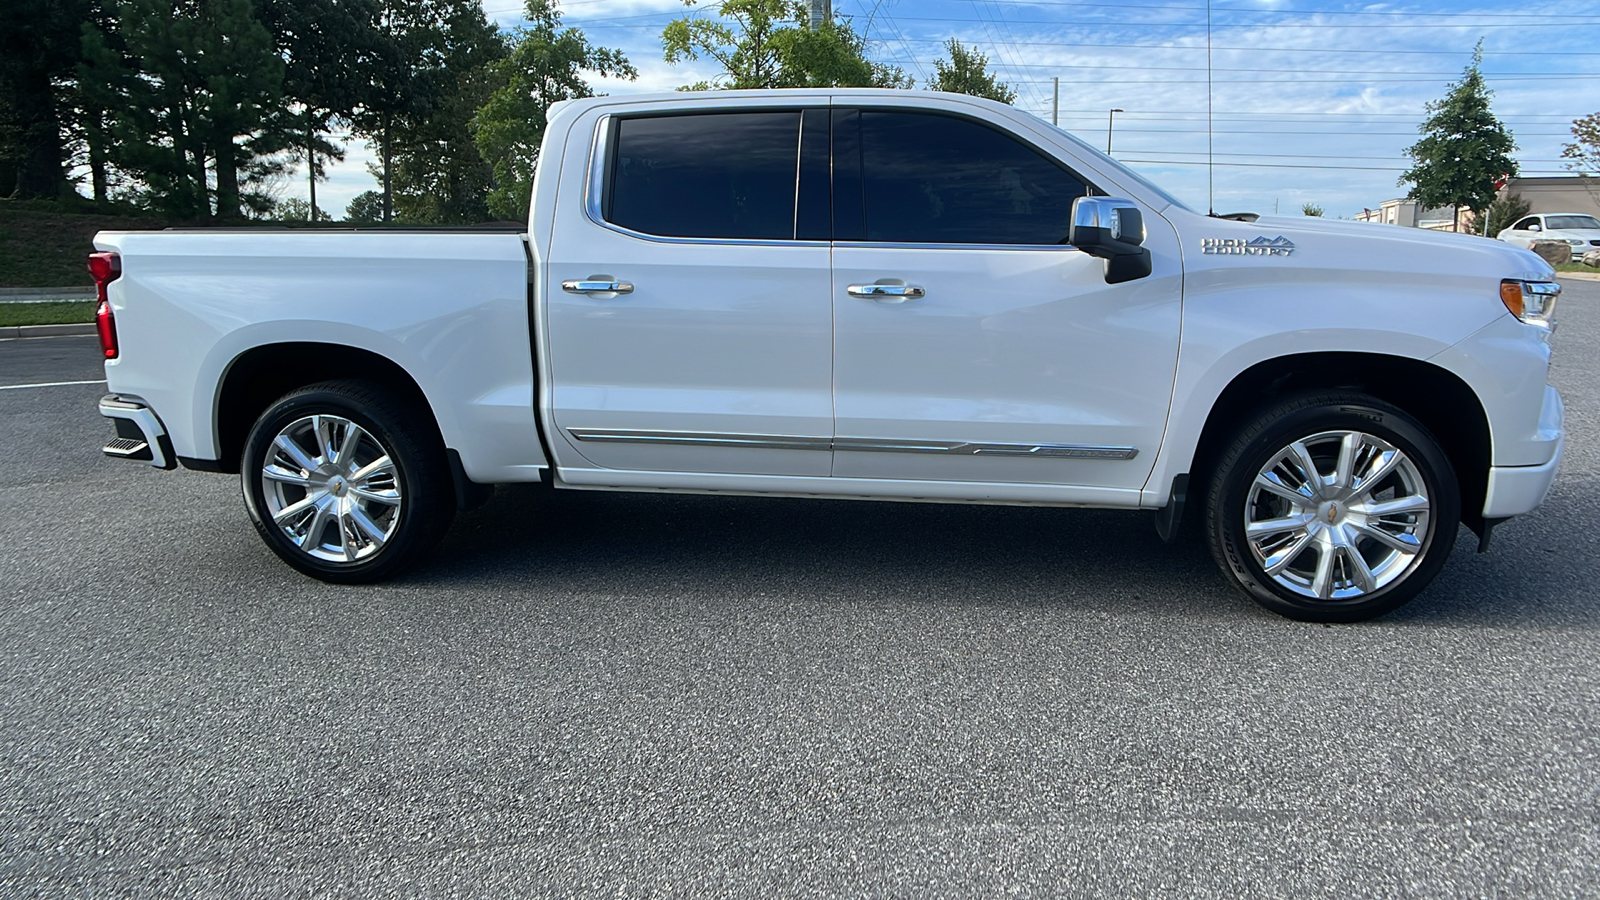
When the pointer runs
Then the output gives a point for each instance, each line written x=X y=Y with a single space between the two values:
x=821 y=11
x=1055 y=101
x=1111 y=120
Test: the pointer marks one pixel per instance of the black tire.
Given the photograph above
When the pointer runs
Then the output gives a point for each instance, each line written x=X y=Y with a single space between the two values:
x=390 y=425
x=1233 y=498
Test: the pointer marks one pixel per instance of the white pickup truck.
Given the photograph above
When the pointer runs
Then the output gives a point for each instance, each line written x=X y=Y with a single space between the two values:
x=852 y=293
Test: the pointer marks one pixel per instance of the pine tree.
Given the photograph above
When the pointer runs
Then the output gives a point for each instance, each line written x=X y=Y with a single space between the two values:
x=1463 y=150
x=197 y=111
x=967 y=72
x=431 y=77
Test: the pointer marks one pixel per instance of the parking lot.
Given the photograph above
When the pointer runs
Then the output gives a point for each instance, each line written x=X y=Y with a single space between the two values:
x=619 y=695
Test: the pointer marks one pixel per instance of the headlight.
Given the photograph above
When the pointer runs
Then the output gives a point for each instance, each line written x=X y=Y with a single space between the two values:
x=1534 y=302
x=1574 y=243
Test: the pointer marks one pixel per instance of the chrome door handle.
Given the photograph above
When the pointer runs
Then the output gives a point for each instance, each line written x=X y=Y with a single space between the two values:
x=886 y=293
x=597 y=287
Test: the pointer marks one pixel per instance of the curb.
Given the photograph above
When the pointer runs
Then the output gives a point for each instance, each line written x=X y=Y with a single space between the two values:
x=1581 y=276
x=38 y=331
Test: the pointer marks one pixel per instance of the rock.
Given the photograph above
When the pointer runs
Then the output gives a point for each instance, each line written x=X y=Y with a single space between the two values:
x=1592 y=259
x=1553 y=252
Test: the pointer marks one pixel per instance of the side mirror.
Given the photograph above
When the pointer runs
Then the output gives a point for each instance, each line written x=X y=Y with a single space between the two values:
x=1113 y=230
x=1535 y=227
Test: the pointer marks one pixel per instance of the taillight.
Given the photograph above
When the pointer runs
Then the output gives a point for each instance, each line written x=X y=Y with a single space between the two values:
x=105 y=268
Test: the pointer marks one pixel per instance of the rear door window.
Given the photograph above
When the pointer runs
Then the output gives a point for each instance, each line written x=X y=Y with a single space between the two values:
x=711 y=175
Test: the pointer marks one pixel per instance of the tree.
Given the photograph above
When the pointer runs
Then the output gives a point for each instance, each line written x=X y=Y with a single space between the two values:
x=431 y=79
x=39 y=52
x=206 y=101
x=366 y=208
x=331 y=51
x=545 y=65
x=967 y=72
x=769 y=44
x=296 y=210
x=1463 y=150
x=1584 y=151
x=1502 y=213
x=1311 y=209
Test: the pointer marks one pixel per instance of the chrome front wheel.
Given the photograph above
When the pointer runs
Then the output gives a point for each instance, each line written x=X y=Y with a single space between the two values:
x=1333 y=507
x=1337 y=515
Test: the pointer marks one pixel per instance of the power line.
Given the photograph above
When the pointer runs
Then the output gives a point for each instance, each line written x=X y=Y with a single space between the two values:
x=1301 y=25
x=1113 y=7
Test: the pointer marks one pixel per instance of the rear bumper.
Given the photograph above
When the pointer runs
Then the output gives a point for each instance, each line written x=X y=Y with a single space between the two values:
x=1514 y=490
x=140 y=434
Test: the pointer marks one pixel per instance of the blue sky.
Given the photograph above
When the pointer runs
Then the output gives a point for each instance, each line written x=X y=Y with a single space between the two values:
x=1312 y=100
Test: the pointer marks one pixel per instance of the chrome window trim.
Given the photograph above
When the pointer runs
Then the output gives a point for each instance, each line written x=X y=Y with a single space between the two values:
x=853 y=444
x=595 y=189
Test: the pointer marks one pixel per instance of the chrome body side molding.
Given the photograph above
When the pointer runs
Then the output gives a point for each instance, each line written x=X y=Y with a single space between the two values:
x=701 y=438
x=856 y=444
x=967 y=448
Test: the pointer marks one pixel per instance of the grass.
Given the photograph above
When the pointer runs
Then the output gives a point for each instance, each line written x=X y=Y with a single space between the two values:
x=1577 y=267
x=44 y=244
x=47 y=313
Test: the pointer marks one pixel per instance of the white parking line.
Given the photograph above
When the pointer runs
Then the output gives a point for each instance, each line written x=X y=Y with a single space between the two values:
x=18 y=387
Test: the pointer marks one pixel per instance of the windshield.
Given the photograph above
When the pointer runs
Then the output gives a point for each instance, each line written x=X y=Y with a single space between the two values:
x=1571 y=222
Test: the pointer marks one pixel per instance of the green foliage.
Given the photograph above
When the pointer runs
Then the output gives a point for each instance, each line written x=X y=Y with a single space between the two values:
x=967 y=72
x=1311 y=209
x=366 y=208
x=1464 y=148
x=431 y=79
x=207 y=94
x=331 y=51
x=1503 y=212
x=295 y=209
x=769 y=44
x=545 y=65
x=1584 y=151
x=39 y=52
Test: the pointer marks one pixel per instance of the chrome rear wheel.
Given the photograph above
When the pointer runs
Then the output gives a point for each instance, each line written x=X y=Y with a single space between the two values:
x=332 y=488
x=347 y=481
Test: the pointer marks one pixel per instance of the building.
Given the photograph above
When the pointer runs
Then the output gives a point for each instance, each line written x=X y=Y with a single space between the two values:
x=1558 y=193
x=1392 y=212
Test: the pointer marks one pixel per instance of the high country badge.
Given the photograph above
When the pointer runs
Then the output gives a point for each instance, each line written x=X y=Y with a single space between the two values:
x=1256 y=246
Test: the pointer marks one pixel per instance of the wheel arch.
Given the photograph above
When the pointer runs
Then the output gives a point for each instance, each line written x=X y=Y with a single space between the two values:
x=265 y=372
x=1436 y=397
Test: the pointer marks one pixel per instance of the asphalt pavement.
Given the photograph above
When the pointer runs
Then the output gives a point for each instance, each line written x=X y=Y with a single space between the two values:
x=596 y=694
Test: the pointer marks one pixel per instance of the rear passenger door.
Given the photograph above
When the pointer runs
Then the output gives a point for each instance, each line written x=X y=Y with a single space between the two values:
x=690 y=328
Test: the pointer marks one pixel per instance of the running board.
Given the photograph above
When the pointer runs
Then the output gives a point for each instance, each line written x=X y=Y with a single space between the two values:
x=129 y=448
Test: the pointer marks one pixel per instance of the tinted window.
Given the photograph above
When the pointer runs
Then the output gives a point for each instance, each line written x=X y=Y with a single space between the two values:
x=940 y=179
x=720 y=175
x=1523 y=225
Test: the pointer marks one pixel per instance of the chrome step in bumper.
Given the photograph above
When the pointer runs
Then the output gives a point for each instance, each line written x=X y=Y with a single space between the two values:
x=140 y=434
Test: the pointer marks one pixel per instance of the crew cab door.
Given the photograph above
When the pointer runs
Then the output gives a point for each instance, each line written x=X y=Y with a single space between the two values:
x=971 y=343
x=689 y=322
